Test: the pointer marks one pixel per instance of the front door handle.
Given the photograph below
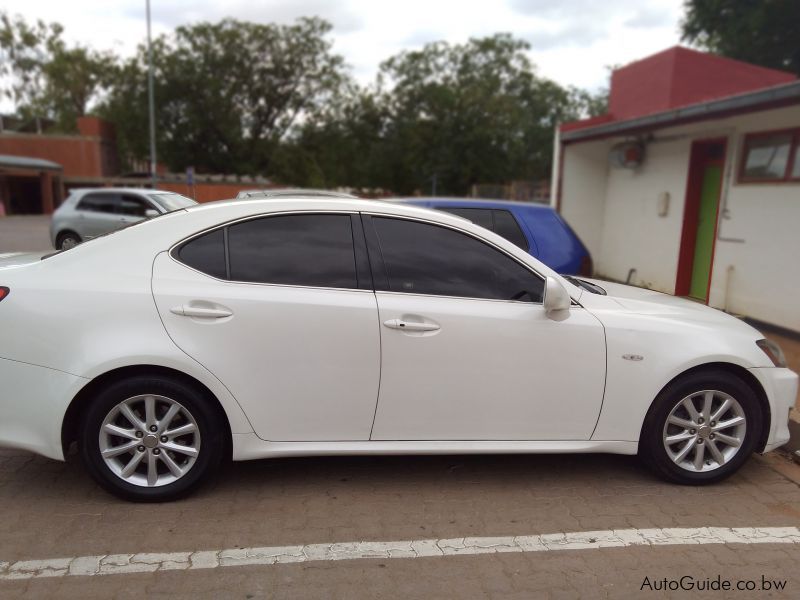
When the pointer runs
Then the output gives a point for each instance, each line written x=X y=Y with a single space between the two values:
x=200 y=312
x=410 y=325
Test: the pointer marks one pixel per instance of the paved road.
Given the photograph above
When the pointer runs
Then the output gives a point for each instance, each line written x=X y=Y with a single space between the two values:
x=50 y=510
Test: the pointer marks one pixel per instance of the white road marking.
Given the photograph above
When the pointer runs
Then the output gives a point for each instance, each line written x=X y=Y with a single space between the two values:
x=115 y=564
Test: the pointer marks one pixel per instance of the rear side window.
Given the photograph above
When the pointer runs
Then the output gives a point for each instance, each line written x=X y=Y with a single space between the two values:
x=310 y=250
x=206 y=253
x=427 y=259
x=102 y=203
x=502 y=222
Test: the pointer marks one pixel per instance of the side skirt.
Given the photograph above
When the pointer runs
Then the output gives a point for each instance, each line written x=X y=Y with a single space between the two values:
x=248 y=446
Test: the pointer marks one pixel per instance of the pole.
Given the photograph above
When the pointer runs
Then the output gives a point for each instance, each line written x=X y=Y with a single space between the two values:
x=151 y=101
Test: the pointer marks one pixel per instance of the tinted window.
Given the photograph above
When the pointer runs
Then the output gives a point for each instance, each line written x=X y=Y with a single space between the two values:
x=479 y=216
x=133 y=206
x=427 y=259
x=502 y=222
x=104 y=203
x=206 y=253
x=313 y=250
x=506 y=226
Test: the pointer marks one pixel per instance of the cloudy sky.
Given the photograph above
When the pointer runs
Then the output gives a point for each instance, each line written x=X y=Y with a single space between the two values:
x=573 y=41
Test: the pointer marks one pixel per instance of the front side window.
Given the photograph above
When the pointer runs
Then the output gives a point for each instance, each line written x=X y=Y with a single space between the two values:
x=428 y=259
x=101 y=203
x=310 y=250
x=133 y=206
x=770 y=157
x=502 y=222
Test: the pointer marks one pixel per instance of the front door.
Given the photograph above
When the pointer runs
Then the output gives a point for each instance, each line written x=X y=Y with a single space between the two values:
x=274 y=307
x=695 y=264
x=467 y=352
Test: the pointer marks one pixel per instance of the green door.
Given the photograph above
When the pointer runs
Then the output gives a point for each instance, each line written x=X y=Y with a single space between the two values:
x=706 y=224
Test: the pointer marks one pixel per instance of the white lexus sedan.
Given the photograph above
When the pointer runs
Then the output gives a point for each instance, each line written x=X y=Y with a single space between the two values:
x=310 y=326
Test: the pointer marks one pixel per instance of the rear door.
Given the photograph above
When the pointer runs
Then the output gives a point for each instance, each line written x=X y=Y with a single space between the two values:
x=281 y=309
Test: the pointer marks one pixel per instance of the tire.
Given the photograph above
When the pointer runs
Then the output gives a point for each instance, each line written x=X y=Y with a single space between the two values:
x=67 y=240
x=183 y=459
x=670 y=427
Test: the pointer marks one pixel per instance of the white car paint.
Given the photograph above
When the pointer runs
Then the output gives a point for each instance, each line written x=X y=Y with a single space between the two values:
x=302 y=370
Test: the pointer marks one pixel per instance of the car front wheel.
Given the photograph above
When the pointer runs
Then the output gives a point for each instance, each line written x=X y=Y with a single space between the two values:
x=150 y=439
x=701 y=428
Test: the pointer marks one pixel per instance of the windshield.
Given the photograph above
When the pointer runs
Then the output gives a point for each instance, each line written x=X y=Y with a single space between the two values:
x=589 y=287
x=170 y=201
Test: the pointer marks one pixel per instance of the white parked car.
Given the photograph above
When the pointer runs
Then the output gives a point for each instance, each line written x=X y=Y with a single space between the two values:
x=309 y=326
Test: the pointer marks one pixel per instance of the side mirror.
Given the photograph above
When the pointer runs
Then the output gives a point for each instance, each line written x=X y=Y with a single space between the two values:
x=556 y=297
x=150 y=213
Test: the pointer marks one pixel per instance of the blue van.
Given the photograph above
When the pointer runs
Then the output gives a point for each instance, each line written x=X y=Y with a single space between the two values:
x=536 y=228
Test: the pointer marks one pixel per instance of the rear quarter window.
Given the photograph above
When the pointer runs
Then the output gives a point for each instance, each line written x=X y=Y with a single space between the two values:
x=205 y=253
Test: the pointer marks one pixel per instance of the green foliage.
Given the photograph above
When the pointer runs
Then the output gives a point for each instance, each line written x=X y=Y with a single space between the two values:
x=763 y=32
x=46 y=78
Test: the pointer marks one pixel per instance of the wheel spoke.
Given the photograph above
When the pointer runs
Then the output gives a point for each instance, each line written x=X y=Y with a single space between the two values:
x=132 y=464
x=121 y=449
x=131 y=416
x=182 y=430
x=721 y=410
x=112 y=429
x=712 y=447
x=164 y=423
x=684 y=452
x=681 y=422
x=729 y=423
x=171 y=465
x=679 y=437
x=688 y=404
x=726 y=439
x=708 y=398
x=180 y=448
x=699 y=454
x=150 y=411
x=152 y=469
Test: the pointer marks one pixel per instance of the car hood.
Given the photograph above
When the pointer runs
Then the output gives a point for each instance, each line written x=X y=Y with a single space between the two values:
x=17 y=259
x=649 y=302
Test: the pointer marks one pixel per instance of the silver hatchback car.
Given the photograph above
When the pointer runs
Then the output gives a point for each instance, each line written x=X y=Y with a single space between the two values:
x=89 y=212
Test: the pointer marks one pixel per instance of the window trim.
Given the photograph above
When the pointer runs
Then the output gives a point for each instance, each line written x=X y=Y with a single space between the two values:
x=175 y=248
x=794 y=145
x=379 y=265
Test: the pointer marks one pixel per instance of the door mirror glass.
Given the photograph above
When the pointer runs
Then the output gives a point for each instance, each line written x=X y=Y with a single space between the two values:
x=556 y=297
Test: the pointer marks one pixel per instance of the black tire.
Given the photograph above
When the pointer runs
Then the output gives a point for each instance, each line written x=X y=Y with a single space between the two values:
x=651 y=443
x=66 y=237
x=204 y=411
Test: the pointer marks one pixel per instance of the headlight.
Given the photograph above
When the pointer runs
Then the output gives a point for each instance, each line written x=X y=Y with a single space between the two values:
x=774 y=352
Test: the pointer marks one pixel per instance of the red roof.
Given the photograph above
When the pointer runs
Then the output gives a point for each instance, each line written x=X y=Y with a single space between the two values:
x=679 y=77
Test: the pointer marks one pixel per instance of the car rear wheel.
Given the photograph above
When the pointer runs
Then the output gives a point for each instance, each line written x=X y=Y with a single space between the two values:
x=701 y=428
x=151 y=439
x=67 y=240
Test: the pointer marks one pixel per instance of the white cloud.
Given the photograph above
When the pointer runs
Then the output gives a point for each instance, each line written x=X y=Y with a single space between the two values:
x=572 y=41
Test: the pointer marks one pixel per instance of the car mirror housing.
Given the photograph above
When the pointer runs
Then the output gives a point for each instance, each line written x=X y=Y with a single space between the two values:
x=556 y=297
x=150 y=213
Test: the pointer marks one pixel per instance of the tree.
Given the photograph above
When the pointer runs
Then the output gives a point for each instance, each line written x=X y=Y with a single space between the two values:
x=227 y=93
x=762 y=32
x=44 y=77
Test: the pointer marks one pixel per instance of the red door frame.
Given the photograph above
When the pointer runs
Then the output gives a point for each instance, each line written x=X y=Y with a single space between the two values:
x=698 y=161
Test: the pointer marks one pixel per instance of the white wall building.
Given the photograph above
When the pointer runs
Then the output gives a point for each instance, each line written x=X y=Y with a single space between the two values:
x=691 y=184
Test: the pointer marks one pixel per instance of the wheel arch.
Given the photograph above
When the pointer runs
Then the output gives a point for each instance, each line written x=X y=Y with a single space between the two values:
x=71 y=422
x=738 y=371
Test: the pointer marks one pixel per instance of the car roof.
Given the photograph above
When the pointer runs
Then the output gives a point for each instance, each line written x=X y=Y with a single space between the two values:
x=127 y=190
x=472 y=202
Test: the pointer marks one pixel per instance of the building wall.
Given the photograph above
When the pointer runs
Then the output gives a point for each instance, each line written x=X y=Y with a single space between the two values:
x=208 y=192
x=583 y=183
x=79 y=156
x=759 y=224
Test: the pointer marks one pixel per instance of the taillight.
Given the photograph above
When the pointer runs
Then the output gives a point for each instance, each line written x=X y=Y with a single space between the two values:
x=4 y=291
x=587 y=267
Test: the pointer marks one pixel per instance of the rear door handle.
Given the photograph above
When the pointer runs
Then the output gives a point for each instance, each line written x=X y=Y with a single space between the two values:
x=201 y=313
x=410 y=325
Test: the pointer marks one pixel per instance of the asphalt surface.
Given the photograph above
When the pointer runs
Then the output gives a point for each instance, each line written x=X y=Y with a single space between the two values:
x=51 y=510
